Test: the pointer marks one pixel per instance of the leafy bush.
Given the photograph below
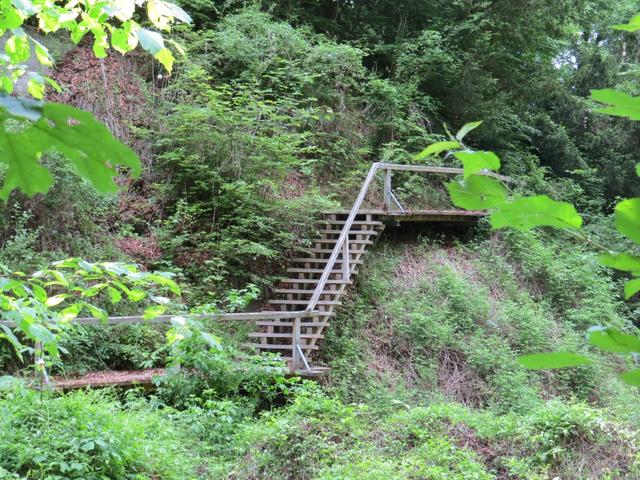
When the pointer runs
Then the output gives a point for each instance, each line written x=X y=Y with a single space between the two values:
x=87 y=435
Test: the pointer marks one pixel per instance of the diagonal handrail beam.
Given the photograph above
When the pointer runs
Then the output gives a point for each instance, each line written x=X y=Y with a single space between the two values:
x=344 y=234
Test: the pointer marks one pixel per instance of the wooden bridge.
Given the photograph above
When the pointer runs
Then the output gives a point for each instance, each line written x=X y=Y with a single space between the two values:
x=304 y=302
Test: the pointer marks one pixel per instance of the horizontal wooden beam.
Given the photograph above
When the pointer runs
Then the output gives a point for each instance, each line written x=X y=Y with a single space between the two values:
x=441 y=170
x=244 y=317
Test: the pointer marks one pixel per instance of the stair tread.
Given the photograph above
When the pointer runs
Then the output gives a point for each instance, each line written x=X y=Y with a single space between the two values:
x=314 y=280
x=355 y=222
x=335 y=240
x=315 y=270
x=284 y=335
x=319 y=260
x=303 y=302
x=271 y=346
x=306 y=291
x=351 y=232
x=330 y=250
x=290 y=324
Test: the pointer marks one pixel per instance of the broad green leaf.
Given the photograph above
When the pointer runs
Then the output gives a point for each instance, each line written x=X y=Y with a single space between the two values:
x=632 y=26
x=12 y=339
x=41 y=333
x=25 y=6
x=6 y=85
x=638 y=169
x=620 y=261
x=153 y=311
x=42 y=54
x=114 y=294
x=544 y=361
x=631 y=287
x=18 y=48
x=151 y=41
x=166 y=59
x=612 y=340
x=10 y=19
x=620 y=104
x=35 y=86
x=22 y=108
x=466 y=129
x=39 y=293
x=437 y=148
x=627 y=218
x=86 y=143
x=136 y=295
x=162 y=14
x=124 y=9
x=537 y=211
x=94 y=290
x=631 y=378
x=475 y=162
x=97 y=312
x=55 y=300
x=123 y=39
x=477 y=192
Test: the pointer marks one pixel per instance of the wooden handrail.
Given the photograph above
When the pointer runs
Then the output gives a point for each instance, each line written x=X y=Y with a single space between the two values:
x=340 y=245
x=341 y=239
x=243 y=316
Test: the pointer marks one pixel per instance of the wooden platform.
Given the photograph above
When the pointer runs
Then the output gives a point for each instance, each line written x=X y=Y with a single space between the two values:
x=457 y=216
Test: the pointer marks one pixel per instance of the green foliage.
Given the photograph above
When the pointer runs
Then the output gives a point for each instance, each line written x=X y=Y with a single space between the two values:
x=31 y=128
x=45 y=302
x=320 y=438
x=47 y=127
x=88 y=435
x=204 y=367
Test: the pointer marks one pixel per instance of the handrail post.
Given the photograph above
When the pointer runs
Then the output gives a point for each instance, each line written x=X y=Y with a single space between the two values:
x=296 y=344
x=387 y=189
x=345 y=260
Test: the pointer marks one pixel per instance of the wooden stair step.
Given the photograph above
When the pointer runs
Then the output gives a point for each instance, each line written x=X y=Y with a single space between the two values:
x=266 y=323
x=352 y=232
x=320 y=260
x=315 y=270
x=306 y=291
x=356 y=222
x=314 y=280
x=270 y=346
x=303 y=302
x=335 y=240
x=330 y=250
x=285 y=335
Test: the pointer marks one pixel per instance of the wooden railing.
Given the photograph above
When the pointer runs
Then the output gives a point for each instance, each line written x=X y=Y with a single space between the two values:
x=342 y=244
x=297 y=318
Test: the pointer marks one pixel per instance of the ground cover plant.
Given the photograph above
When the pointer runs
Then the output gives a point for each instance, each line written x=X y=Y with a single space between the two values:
x=182 y=177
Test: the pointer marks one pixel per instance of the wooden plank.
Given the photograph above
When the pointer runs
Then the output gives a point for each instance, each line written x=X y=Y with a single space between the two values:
x=352 y=232
x=303 y=302
x=290 y=324
x=305 y=291
x=283 y=335
x=271 y=346
x=314 y=280
x=320 y=260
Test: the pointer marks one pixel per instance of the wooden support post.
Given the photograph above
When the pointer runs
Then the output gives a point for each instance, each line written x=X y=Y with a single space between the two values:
x=387 y=189
x=296 y=359
x=345 y=260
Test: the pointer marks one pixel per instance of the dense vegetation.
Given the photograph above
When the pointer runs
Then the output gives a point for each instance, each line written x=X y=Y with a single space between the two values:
x=273 y=115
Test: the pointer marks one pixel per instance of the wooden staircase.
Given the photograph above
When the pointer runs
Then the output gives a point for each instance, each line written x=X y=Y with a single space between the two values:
x=317 y=280
x=304 y=276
